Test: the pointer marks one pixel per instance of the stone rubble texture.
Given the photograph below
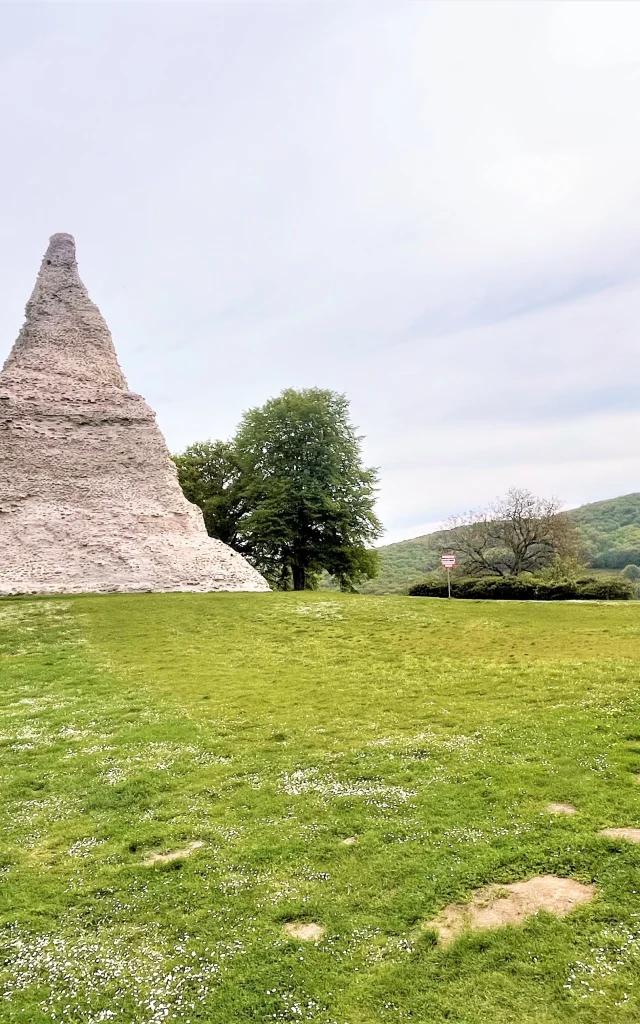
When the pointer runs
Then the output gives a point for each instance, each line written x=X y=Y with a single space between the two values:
x=89 y=497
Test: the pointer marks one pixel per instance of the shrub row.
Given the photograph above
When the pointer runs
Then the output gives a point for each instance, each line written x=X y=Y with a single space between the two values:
x=528 y=588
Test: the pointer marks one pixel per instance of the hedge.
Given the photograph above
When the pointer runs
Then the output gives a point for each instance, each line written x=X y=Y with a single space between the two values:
x=528 y=588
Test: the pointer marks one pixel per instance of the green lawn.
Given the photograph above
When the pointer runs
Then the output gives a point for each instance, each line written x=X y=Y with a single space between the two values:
x=272 y=727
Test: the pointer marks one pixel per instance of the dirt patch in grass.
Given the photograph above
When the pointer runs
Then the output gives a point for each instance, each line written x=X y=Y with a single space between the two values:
x=561 y=809
x=350 y=841
x=497 y=905
x=166 y=858
x=308 y=931
x=632 y=834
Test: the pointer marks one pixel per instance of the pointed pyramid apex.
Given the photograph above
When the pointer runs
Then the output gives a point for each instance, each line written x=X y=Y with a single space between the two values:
x=64 y=331
x=58 y=270
x=61 y=251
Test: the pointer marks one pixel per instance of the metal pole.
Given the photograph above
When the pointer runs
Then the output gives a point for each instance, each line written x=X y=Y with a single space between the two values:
x=449 y=581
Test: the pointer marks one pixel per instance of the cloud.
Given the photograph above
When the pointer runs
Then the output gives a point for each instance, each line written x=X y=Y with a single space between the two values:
x=433 y=207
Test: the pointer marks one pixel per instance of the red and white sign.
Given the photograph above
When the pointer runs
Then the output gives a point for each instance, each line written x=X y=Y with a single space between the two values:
x=448 y=560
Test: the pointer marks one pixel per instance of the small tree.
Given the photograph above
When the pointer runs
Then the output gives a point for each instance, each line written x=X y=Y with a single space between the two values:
x=210 y=476
x=632 y=572
x=518 y=533
x=310 y=500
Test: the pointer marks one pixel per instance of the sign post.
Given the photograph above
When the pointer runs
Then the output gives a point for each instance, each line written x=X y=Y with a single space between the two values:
x=448 y=560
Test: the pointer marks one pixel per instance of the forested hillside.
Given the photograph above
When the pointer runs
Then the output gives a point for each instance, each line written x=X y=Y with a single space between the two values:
x=404 y=563
x=610 y=531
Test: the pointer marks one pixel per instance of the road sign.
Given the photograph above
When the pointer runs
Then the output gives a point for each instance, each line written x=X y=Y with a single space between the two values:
x=448 y=560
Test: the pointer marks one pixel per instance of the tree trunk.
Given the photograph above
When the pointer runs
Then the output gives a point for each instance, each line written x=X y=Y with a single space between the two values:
x=299 y=574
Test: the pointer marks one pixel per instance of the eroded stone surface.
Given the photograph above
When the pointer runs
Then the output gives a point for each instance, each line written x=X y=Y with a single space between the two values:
x=561 y=809
x=89 y=496
x=499 y=905
x=631 y=834
x=166 y=858
x=308 y=931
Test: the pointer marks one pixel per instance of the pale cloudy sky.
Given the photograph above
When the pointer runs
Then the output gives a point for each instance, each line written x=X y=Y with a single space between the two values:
x=432 y=206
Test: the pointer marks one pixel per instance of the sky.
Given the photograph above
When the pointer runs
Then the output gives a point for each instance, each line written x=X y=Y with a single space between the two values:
x=433 y=207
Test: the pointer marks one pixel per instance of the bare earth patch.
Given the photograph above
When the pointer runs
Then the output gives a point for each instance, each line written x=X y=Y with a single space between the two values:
x=350 y=841
x=632 y=834
x=561 y=809
x=308 y=931
x=166 y=858
x=497 y=905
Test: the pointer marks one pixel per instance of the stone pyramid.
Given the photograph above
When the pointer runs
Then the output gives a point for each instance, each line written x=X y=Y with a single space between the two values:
x=89 y=497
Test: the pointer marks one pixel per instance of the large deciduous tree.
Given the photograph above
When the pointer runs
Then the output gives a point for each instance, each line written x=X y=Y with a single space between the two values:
x=310 y=500
x=516 y=534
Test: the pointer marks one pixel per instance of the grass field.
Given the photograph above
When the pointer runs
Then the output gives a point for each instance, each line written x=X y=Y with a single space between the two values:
x=269 y=728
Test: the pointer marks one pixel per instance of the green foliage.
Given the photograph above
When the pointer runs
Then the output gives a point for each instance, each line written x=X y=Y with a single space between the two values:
x=271 y=727
x=610 y=525
x=290 y=491
x=402 y=564
x=310 y=500
x=210 y=476
x=631 y=572
x=609 y=532
x=616 y=559
x=517 y=533
x=527 y=588
x=568 y=568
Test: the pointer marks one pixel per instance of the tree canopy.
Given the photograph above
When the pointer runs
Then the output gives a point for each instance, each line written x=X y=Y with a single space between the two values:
x=290 y=491
x=210 y=476
x=516 y=534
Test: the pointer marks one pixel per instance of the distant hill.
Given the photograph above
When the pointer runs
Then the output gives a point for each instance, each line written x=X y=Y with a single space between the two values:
x=404 y=563
x=610 y=526
x=610 y=531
